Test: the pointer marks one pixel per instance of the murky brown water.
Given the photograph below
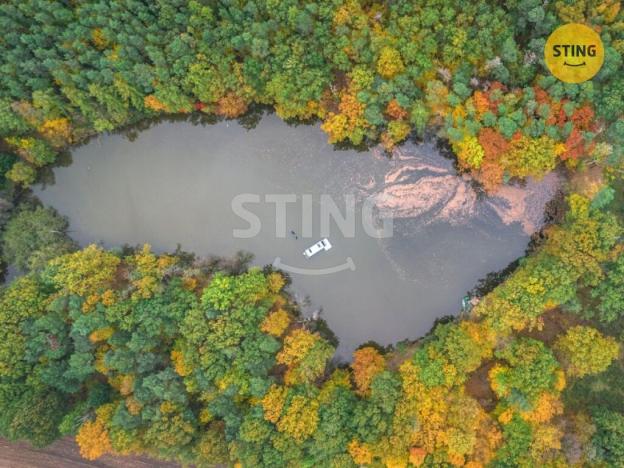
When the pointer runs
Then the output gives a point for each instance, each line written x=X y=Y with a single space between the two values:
x=175 y=184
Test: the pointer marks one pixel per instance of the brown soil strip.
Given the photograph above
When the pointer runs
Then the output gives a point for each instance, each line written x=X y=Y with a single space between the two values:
x=64 y=454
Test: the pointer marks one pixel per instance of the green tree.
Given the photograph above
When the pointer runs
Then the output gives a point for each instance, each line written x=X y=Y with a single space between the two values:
x=608 y=294
x=528 y=371
x=608 y=440
x=34 y=236
x=30 y=413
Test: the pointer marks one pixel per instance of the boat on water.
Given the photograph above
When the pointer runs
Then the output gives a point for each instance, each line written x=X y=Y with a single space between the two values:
x=323 y=244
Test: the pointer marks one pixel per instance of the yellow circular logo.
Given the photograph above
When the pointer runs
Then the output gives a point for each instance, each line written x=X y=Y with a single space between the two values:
x=574 y=53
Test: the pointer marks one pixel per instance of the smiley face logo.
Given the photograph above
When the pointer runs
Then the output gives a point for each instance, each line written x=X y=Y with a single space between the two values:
x=574 y=53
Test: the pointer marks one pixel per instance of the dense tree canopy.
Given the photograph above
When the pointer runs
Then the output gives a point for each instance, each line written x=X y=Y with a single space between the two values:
x=34 y=236
x=133 y=352
x=369 y=71
x=159 y=354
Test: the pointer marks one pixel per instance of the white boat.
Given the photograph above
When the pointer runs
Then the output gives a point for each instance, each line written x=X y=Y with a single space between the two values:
x=316 y=248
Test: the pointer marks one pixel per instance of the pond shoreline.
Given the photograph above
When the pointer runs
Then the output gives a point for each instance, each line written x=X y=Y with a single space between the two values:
x=407 y=280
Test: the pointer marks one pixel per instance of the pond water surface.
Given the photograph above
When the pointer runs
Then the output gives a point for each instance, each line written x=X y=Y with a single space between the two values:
x=176 y=182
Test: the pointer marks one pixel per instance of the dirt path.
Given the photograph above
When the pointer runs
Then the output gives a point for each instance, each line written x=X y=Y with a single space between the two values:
x=64 y=454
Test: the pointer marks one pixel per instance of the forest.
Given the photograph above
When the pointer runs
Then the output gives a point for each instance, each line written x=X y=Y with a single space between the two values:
x=209 y=361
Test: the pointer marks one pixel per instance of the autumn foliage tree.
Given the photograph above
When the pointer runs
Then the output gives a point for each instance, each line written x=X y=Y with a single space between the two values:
x=584 y=350
x=367 y=363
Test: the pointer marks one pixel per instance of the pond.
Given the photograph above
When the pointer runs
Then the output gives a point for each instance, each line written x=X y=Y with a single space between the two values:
x=218 y=189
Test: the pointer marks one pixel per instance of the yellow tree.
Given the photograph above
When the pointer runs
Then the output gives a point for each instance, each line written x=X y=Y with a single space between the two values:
x=584 y=350
x=305 y=354
x=300 y=419
x=86 y=272
x=273 y=402
x=389 y=63
x=93 y=438
x=276 y=323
